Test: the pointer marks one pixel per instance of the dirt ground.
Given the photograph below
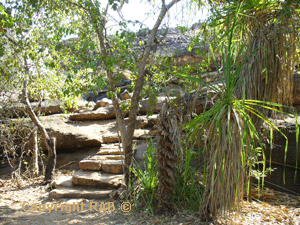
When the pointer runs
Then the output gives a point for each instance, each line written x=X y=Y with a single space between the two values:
x=19 y=204
x=21 y=201
x=17 y=207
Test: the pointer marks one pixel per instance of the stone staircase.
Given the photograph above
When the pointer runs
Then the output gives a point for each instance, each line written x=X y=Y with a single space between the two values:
x=99 y=176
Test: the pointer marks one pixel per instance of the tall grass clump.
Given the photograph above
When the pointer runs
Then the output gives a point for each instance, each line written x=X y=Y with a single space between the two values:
x=231 y=140
x=188 y=190
x=146 y=179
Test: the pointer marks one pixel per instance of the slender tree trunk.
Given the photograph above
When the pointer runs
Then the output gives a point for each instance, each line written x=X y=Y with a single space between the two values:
x=127 y=132
x=50 y=143
x=51 y=160
x=138 y=89
x=35 y=153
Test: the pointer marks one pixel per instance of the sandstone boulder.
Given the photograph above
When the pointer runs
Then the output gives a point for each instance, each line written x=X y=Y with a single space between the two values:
x=102 y=113
x=106 y=113
x=97 y=179
x=125 y=95
x=102 y=103
x=112 y=166
x=145 y=105
x=76 y=193
x=83 y=134
x=48 y=107
x=71 y=135
x=140 y=152
x=88 y=164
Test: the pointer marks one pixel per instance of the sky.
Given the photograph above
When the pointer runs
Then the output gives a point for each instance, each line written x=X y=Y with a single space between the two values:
x=178 y=15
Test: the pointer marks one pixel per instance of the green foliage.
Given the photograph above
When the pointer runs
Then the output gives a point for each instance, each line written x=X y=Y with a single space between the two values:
x=189 y=187
x=221 y=10
x=146 y=179
x=34 y=37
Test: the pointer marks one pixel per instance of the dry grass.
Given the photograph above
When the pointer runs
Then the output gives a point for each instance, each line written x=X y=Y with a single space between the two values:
x=225 y=165
x=269 y=70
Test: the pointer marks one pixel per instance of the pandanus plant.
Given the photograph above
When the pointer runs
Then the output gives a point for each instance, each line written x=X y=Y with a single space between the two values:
x=231 y=140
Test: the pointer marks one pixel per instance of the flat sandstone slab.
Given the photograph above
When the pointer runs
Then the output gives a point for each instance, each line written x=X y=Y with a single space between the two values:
x=113 y=145
x=111 y=151
x=97 y=179
x=106 y=157
x=112 y=166
x=103 y=113
x=63 y=181
x=79 y=193
x=112 y=137
x=89 y=164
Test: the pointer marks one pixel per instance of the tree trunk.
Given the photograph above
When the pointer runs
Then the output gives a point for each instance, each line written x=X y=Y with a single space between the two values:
x=127 y=132
x=138 y=89
x=51 y=161
x=35 y=153
x=167 y=150
x=50 y=144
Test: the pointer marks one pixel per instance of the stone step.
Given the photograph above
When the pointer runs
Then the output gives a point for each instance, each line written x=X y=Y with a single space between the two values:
x=63 y=181
x=79 y=192
x=97 y=179
x=88 y=164
x=114 y=145
x=94 y=163
x=109 y=151
x=105 y=157
x=112 y=166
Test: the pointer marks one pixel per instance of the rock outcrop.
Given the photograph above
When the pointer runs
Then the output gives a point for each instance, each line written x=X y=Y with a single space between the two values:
x=88 y=133
x=102 y=113
x=71 y=135
x=175 y=44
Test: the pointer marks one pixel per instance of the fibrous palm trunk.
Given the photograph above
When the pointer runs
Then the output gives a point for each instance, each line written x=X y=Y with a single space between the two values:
x=169 y=140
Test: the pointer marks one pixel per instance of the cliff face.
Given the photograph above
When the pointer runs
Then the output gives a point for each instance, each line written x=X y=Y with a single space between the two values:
x=176 y=45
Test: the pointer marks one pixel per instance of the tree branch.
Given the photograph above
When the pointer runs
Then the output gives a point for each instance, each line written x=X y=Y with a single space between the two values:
x=50 y=144
x=99 y=32
x=141 y=70
x=78 y=5
x=138 y=88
